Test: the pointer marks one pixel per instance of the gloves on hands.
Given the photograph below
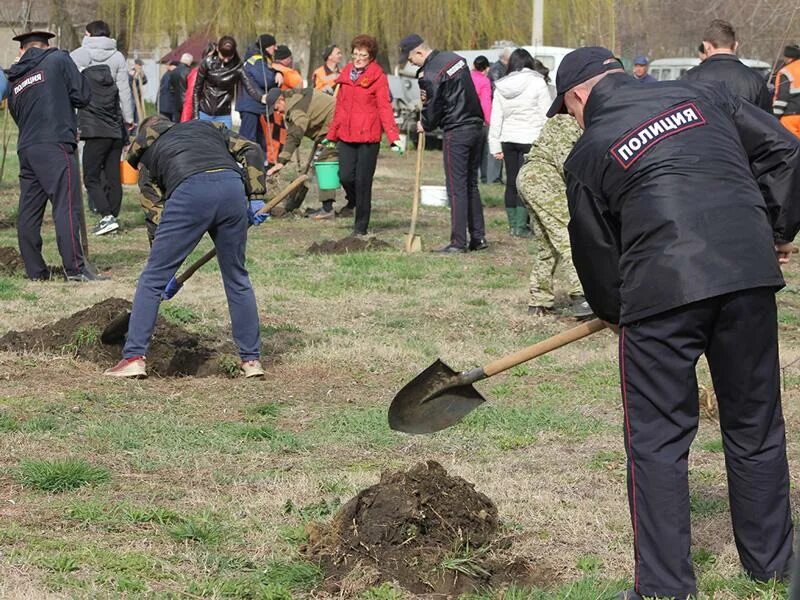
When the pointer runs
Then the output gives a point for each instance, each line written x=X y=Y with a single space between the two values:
x=173 y=287
x=326 y=143
x=253 y=215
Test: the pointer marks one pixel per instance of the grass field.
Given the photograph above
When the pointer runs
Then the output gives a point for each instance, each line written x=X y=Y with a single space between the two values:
x=187 y=488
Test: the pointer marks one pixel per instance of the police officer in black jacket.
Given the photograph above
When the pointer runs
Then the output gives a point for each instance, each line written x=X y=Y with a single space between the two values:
x=682 y=207
x=45 y=88
x=722 y=64
x=449 y=101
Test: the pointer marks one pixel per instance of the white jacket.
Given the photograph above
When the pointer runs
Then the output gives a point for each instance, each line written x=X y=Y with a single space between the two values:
x=519 y=109
x=100 y=50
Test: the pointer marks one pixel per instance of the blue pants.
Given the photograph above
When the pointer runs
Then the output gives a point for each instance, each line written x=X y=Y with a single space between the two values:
x=213 y=202
x=250 y=129
x=218 y=118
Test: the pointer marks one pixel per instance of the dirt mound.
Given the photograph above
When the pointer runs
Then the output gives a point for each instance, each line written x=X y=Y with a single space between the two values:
x=426 y=530
x=173 y=351
x=348 y=244
x=11 y=263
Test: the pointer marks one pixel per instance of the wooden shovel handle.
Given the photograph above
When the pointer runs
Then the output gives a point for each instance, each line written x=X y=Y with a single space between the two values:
x=280 y=197
x=417 y=180
x=526 y=354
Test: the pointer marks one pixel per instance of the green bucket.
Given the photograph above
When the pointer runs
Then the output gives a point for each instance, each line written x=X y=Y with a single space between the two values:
x=327 y=174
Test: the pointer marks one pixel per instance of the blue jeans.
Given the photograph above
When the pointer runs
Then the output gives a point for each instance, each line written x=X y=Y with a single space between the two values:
x=205 y=202
x=218 y=118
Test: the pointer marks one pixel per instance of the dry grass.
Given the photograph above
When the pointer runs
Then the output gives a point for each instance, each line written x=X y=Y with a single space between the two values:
x=547 y=449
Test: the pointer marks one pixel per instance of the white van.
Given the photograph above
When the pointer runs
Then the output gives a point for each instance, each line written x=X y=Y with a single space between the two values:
x=667 y=69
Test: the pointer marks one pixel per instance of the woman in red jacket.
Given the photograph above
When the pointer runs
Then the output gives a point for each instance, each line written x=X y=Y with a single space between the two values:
x=363 y=110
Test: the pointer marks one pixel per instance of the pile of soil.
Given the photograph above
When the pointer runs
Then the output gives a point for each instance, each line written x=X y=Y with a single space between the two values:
x=11 y=263
x=173 y=351
x=428 y=531
x=348 y=244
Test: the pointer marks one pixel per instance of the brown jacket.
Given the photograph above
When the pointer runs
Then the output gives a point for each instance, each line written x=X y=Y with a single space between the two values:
x=308 y=114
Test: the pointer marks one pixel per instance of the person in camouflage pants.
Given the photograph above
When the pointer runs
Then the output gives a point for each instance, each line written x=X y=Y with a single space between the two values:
x=541 y=186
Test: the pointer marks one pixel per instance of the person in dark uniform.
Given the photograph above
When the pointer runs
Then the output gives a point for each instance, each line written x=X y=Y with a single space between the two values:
x=722 y=64
x=45 y=88
x=682 y=208
x=449 y=101
x=206 y=174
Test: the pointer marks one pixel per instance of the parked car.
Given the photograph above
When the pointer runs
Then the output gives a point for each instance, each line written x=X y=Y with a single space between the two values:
x=667 y=69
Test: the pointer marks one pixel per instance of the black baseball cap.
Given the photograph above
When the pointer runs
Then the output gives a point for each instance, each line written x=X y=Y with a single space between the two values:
x=34 y=36
x=407 y=44
x=578 y=66
x=272 y=98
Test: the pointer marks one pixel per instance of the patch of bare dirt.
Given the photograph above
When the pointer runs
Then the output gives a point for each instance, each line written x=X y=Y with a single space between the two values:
x=173 y=350
x=428 y=531
x=348 y=244
x=11 y=263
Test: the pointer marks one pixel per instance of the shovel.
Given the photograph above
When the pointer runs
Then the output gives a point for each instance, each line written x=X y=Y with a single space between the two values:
x=115 y=331
x=414 y=242
x=440 y=397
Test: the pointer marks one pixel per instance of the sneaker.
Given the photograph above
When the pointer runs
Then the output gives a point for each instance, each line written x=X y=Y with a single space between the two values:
x=540 y=311
x=322 y=215
x=451 y=249
x=580 y=309
x=478 y=245
x=346 y=211
x=106 y=225
x=89 y=273
x=128 y=367
x=252 y=368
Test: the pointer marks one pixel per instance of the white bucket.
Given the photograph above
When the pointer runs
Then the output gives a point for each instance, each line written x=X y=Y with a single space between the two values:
x=433 y=195
x=403 y=142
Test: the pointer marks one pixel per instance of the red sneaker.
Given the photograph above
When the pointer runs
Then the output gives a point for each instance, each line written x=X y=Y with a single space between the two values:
x=128 y=367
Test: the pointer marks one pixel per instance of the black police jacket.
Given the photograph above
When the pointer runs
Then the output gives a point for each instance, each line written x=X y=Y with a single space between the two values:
x=450 y=99
x=740 y=79
x=103 y=117
x=45 y=87
x=677 y=192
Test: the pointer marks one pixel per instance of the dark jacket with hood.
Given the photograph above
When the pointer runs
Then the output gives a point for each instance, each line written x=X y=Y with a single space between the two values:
x=45 y=88
x=450 y=97
x=172 y=153
x=740 y=79
x=177 y=86
x=257 y=76
x=103 y=117
x=677 y=192
x=216 y=83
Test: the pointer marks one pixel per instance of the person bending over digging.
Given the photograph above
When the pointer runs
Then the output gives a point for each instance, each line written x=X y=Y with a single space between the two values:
x=197 y=165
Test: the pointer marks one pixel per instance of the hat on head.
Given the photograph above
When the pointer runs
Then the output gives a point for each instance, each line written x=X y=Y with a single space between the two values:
x=272 y=98
x=34 y=36
x=187 y=58
x=282 y=52
x=792 y=51
x=641 y=60
x=407 y=44
x=578 y=66
x=265 y=40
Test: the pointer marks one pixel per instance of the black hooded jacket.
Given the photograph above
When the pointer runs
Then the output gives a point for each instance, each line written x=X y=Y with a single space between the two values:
x=740 y=79
x=103 y=117
x=45 y=88
x=677 y=192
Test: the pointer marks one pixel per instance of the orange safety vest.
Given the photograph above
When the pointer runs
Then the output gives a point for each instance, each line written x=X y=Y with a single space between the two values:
x=292 y=79
x=324 y=79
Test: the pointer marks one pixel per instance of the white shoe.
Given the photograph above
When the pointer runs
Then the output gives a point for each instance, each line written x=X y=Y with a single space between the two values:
x=106 y=225
x=252 y=368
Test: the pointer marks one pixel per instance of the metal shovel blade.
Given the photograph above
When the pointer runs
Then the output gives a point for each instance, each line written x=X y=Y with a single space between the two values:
x=413 y=243
x=434 y=400
x=115 y=331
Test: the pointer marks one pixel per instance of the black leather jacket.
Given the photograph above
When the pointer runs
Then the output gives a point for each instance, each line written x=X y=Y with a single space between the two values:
x=450 y=97
x=677 y=192
x=740 y=79
x=215 y=84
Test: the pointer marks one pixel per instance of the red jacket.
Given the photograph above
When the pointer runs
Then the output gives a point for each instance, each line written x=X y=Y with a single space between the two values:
x=186 y=112
x=363 y=108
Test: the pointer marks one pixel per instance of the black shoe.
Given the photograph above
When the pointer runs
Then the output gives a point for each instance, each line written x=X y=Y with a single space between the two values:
x=478 y=244
x=346 y=211
x=628 y=595
x=450 y=249
x=580 y=309
x=88 y=274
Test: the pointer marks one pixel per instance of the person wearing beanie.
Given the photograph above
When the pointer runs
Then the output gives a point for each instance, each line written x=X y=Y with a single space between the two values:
x=283 y=63
x=257 y=70
x=323 y=79
x=786 y=103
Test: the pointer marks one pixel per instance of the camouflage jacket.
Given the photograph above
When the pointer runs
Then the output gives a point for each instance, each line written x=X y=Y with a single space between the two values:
x=173 y=152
